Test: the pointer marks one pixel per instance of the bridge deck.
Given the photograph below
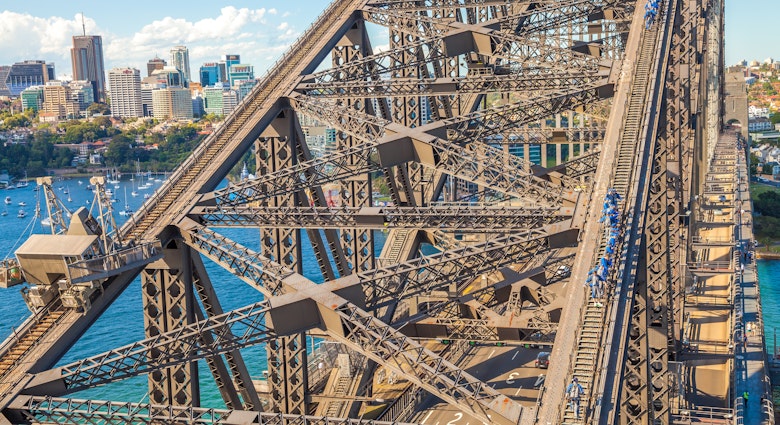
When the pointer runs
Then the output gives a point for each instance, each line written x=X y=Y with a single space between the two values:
x=751 y=362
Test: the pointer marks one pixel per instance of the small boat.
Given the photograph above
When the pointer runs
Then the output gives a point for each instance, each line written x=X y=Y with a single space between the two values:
x=8 y=200
x=22 y=204
x=147 y=196
x=21 y=214
x=46 y=222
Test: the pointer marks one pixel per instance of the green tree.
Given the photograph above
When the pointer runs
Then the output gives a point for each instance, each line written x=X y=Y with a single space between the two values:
x=120 y=150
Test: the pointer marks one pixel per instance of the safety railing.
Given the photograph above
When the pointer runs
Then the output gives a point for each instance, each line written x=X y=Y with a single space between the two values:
x=108 y=265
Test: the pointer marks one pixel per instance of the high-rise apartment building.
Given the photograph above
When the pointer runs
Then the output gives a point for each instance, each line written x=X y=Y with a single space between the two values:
x=87 y=58
x=180 y=58
x=155 y=64
x=22 y=75
x=125 y=85
x=58 y=101
x=172 y=103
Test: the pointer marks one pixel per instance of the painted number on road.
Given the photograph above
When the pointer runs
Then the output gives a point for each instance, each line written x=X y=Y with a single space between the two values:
x=458 y=416
x=511 y=379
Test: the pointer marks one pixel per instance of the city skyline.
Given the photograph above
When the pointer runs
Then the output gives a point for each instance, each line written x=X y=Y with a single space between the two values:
x=131 y=36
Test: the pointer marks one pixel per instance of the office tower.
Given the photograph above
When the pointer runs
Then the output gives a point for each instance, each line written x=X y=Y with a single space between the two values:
x=225 y=64
x=239 y=72
x=147 y=103
x=172 y=103
x=180 y=59
x=32 y=98
x=210 y=74
x=170 y=75
x=58 y=102
x=212 y=98
x=22 y=75
x=125 y=85
x=154 y=64
x=87 y=58
x=81 y=92
x=229 y=101
x=244 y=87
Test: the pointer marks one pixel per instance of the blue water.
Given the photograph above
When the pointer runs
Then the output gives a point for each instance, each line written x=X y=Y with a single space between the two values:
x=769 y=282
x=122 y=323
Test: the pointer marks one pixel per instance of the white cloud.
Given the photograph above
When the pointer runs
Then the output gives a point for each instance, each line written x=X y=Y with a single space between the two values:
x=23 y=37
x=234 y=30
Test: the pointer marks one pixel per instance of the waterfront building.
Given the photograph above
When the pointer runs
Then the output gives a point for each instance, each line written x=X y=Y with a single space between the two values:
x=87 y=59
x=155 y=64
x=22 y=75
x=172 y=103
x=180 y=59
x=125 y=85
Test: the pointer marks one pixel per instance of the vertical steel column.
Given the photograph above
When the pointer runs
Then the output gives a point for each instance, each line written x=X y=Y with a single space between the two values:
x=231 y=375
x=276 y=150
x=357 y=244
x=168 y=304
x=634 y=398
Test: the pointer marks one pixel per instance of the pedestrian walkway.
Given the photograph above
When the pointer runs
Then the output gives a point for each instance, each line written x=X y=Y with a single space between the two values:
x=753 y=389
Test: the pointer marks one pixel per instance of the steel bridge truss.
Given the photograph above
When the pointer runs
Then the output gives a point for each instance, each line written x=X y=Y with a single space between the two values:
x=432 y=118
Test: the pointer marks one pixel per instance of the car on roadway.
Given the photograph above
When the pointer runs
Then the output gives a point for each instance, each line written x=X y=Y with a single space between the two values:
x=542 y=360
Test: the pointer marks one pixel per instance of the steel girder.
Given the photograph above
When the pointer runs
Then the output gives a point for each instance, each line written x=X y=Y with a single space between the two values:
x=384 y=344
x=382 y=285
x=230 y=331
x=30 y=409
x=461 y=217
x=538 y=81
x=647 y=387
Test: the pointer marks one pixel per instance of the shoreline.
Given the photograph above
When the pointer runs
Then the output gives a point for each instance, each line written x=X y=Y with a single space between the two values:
x=767 y=255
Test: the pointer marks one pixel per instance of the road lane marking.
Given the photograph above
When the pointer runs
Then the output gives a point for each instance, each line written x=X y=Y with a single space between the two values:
x=518 y=390
x=491 y=353
x=426 y=417
x=516 y=353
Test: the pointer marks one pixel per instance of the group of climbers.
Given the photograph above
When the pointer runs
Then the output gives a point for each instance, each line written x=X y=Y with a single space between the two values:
x=597 y=276
x=651 y=11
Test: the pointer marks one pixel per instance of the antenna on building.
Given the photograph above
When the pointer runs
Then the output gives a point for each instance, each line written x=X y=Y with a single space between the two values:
x=83 y=25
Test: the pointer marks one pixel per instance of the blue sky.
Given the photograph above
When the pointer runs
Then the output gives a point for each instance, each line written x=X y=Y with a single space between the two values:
x=258 y=30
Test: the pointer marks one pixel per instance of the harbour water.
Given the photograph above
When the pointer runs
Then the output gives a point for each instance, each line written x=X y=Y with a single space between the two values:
x=123 y=322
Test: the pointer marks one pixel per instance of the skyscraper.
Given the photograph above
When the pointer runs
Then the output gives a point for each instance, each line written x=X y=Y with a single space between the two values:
x=180 y=58
x=154 y=64
x=87 y=58
x=125 y=84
